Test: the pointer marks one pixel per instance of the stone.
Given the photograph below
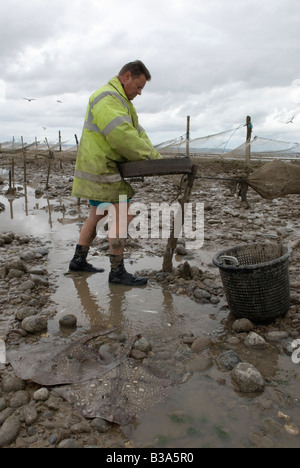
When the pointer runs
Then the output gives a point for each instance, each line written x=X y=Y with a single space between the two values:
x=26 y=311
x=242 y=325
x=41 y=395
x=228 y=360
x=35 y=324
x=68 y=321
x=247 y=379
x=13 y=273
x=142 y=344
x=9 y=431
x=28 y=284
x=101 y=425
x=200 y=343
x=276 y=335
x=15 y=263
x=253 y=340
x=201 y=294
x=11 y=383
x=30 y=414
x=20 y=398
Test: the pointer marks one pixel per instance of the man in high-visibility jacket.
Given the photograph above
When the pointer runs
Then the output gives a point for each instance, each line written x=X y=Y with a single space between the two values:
x=111 y=135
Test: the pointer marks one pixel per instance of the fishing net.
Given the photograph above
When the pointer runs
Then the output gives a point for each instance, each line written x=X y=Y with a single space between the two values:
x=276 y=179
x=265 y=148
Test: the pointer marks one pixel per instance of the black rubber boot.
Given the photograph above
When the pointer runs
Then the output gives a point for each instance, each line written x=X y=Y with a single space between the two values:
x=119 y=275
x=79 y=263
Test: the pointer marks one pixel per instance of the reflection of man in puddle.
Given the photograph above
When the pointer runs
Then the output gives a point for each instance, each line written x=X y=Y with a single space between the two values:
x=111 y=135
x=90 y=303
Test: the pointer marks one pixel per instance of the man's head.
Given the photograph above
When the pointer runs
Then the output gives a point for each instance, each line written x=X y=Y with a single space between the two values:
x=133 y=77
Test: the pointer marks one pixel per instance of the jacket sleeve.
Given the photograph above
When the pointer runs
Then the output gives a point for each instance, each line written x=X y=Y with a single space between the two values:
x=115 y=124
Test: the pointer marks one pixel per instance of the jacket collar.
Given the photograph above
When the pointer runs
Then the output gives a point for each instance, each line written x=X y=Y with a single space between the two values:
x=115 y=82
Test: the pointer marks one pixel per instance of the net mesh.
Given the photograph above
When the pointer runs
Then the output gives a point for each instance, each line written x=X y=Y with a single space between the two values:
x=276 y=179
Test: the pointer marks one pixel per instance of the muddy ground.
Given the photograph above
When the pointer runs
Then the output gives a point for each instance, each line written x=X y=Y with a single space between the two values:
x=175 y=313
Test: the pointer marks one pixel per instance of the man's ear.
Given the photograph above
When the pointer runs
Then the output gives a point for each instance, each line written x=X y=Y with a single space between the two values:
x=127 y=76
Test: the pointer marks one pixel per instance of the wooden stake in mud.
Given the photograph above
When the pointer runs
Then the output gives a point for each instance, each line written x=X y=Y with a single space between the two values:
x=188 y=136
x=172 y=241
x=24 y=161
x=248 y=139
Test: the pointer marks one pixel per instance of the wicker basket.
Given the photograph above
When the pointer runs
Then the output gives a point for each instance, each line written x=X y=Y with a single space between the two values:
x=256 y=282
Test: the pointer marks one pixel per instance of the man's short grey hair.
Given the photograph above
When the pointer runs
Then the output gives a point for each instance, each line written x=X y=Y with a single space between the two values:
x=136 y=68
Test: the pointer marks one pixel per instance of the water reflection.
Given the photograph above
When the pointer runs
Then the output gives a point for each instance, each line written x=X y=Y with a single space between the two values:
x=110 y=314
x=31 y=212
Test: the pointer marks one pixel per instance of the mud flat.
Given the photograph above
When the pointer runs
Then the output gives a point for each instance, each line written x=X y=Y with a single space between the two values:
x=226 y=383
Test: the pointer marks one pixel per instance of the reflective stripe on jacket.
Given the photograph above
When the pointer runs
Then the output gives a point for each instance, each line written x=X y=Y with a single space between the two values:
x=111 y=134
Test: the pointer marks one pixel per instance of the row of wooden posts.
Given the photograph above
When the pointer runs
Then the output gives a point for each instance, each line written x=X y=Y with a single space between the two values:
x=50 y=156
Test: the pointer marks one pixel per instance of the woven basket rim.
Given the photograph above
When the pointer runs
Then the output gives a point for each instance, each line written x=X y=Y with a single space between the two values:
x=255 y=266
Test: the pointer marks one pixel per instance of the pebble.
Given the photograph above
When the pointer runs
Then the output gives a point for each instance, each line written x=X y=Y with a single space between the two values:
x=68 y=321
x=253 y=340
x=41 y=395
x=247 y=379
x=9 y=431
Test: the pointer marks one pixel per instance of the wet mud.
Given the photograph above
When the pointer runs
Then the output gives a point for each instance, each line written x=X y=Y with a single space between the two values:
x=201 y=408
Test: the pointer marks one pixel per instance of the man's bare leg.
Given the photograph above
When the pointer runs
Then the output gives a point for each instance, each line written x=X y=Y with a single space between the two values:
x=87 y=235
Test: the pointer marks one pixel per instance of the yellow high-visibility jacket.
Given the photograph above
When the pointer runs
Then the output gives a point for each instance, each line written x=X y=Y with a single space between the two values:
x=111 y=135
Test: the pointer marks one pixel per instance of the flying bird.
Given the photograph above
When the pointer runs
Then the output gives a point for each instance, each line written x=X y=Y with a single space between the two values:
x=29 y=99
x=59 y=101
x=291 y=120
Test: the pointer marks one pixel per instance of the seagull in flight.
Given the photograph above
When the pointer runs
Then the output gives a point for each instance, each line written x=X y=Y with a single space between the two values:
x=59 y=101
x=29 y=99
x=291 y=120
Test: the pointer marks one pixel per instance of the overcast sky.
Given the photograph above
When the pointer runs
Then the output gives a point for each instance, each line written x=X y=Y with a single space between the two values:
x=214 y=60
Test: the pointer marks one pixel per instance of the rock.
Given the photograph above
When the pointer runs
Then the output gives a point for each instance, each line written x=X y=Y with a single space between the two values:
x=228 y=360
x=70 y=443
x=181 y=250
x=30 y=414
x=19 y=398
x=38 y=279
x=242 y=325
x=26 y=311
x=68 y=321
x=101 y=425
x=292 y=429
x=253 y=340
x=137 y=354
x=142 y=344
x=201 y=294
x=200 y=343
x=9 y=431
x=5 y=414
x=15 y=263
x=247 y=379
x=35 y=324
x=80 y=427
x=11 y=383
x=28 y=256
x=276 y=335
x=13 y=273
x=199 y=363
x=41 y=395
x=27 y=285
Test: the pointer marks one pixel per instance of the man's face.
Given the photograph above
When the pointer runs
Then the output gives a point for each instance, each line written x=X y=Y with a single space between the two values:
x=133 y=86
